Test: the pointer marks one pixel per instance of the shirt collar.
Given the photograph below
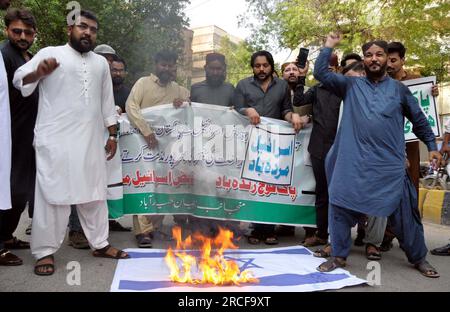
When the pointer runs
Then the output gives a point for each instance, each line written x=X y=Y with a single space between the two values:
x=155 y=79
x=384 y=78
x=256 y=82
x=9 y=45
x=69 y=47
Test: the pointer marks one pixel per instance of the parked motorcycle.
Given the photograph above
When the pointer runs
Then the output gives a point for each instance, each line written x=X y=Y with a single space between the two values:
x=438 y=177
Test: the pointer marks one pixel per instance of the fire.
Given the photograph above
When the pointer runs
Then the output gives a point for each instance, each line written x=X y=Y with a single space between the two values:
x=210 y=263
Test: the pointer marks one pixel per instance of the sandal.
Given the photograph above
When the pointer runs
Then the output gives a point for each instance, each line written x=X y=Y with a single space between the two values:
x=17 y=244
x=117 y=227
x=45 y=269
x=9 y=259
x=427 y=269
x=313 y=241
x=324 y=252
x=373 y=252
x=441 y=251
x=331 y=264
x=253 y=240
x=28 y=230
x=271 y=240
x=103 y=253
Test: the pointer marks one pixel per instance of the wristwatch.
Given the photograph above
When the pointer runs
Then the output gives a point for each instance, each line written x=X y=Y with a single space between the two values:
x=113 y=138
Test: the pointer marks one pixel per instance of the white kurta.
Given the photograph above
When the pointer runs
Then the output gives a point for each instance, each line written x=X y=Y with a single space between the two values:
x=5 y=140
x=76 y=103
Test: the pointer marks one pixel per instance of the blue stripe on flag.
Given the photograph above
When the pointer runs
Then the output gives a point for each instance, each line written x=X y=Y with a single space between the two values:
x=273 y=280
x=300 y=251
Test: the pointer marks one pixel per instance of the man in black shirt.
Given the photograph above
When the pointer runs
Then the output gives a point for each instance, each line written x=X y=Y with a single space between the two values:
x=267 y=96
x=214 y=90
x=21 y=30
x=325 y=111
x=118 y=74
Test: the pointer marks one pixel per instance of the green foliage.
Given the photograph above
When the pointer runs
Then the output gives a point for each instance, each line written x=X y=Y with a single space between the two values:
x=238 y=59
x=136 y=29
x=421 y=25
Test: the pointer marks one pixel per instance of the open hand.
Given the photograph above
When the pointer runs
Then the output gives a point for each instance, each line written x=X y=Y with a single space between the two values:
x=253 y=115
x=151 y=140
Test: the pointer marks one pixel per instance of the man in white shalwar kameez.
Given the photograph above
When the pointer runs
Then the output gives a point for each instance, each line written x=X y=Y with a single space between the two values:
x=5 y=133
x=6 y=257
x=75 y=105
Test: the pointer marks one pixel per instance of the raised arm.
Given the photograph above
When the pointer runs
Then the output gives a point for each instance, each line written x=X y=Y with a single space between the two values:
x=27 y=77
x=302 y=98
x=336 y=83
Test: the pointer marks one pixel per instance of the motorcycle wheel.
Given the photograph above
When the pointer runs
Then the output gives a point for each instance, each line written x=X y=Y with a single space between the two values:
x=433 y=183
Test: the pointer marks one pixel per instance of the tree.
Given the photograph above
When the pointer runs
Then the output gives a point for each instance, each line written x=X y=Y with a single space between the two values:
x=422 y=26
x=136 y=29
x=237 y=58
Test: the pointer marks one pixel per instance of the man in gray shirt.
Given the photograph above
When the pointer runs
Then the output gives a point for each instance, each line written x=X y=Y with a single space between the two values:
x=267 y=96
x=214 y=90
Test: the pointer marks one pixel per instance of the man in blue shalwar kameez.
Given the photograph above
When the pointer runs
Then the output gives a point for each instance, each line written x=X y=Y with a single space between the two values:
x=365 y=167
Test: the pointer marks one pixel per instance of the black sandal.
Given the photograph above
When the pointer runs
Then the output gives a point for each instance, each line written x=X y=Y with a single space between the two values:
x=427 y=269
x=102 y=253
x=48 y=268
x=17 y=244
x=374 y=254
x=331 y=265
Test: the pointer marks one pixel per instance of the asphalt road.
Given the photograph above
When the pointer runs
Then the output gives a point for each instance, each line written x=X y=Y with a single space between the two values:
x=97 y=274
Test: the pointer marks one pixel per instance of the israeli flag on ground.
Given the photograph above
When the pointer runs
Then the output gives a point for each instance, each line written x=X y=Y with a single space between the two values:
x=290 y=269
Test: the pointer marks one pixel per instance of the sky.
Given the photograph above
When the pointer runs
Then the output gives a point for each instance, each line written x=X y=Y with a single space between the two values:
x=224 y=14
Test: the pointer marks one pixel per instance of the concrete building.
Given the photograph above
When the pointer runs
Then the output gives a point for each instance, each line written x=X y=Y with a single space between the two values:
x=206 y=40
x=184 y=72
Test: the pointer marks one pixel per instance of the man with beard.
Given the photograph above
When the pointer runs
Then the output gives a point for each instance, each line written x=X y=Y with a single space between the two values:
x=291 y=74
x=267 y=96
x=21 y=29
x=395 y=69
x=368 y=154
x=121 y=91
x=214 y=90
x=77 y=239
x=6 y=257
x=76 y=104
x=156 y=89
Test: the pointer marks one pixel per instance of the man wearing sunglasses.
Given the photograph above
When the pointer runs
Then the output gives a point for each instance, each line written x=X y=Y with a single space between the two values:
x=21 y=31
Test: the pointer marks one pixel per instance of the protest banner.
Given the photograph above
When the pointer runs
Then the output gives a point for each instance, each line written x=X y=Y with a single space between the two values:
x=196 y=169
x=421 y=90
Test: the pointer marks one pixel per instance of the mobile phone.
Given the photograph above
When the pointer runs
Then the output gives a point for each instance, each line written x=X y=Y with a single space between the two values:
x=302 y=57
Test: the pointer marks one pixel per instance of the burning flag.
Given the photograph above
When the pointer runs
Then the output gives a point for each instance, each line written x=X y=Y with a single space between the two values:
x=210 y=264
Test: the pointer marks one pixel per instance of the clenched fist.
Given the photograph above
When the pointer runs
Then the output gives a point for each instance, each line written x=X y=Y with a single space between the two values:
x=333 y=40
x=46 y=67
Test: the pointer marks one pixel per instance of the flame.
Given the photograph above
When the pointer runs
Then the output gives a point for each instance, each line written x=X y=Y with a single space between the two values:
x=211 y=264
